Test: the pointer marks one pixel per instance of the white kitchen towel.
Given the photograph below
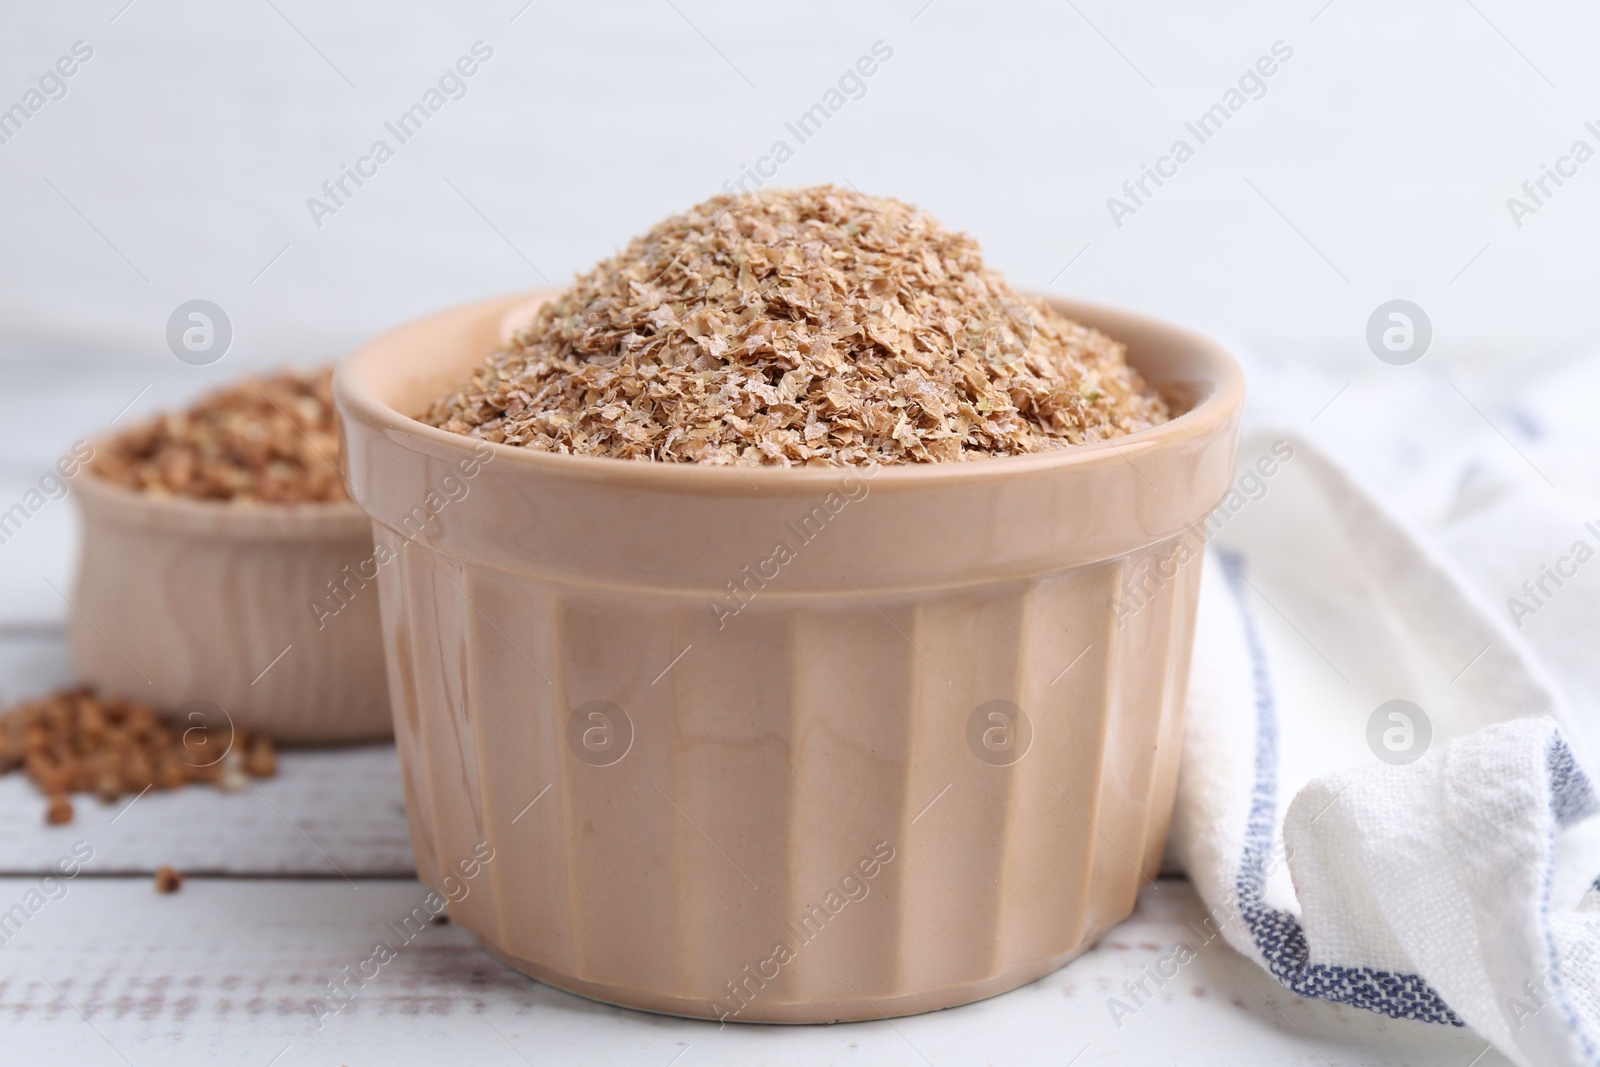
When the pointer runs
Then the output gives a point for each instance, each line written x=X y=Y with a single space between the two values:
x=1382 y=798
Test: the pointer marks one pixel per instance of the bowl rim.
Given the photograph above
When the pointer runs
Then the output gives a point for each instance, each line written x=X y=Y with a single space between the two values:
x=99 y=494
x=1210 y=362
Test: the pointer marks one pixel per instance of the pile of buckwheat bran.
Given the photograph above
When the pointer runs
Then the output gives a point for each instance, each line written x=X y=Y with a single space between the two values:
x=270 y=440
x=807 y=326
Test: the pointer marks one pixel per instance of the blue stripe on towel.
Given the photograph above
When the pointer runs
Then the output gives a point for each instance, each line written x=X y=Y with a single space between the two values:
x=1572 y=798
x=1278 y=935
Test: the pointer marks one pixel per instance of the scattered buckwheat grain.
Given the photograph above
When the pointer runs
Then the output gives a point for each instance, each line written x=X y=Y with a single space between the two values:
x=270 y=441
x=808 y=326
x=59 y=813
x=261 y=760
x=168 y=880
x=77 y=742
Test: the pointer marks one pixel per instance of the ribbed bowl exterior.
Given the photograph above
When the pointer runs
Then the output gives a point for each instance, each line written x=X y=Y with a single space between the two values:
x=180 y=601
x=815 y=746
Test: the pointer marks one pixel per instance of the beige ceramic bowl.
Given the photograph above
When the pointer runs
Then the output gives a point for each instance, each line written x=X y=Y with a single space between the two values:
x=746 y=744
x=186 y=600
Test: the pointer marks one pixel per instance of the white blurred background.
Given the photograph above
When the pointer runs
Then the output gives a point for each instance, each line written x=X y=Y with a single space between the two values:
x=1377 y=165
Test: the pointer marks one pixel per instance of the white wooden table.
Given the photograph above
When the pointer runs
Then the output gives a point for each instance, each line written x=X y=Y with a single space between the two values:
x=288 y=885
x=223 y=972
x=179 y=165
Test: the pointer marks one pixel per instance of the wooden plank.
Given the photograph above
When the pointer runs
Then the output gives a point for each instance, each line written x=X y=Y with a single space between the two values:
x=327 y=813
x=236 y=971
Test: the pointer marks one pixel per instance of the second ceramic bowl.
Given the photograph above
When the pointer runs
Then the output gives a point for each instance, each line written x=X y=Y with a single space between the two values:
x=268 y=612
